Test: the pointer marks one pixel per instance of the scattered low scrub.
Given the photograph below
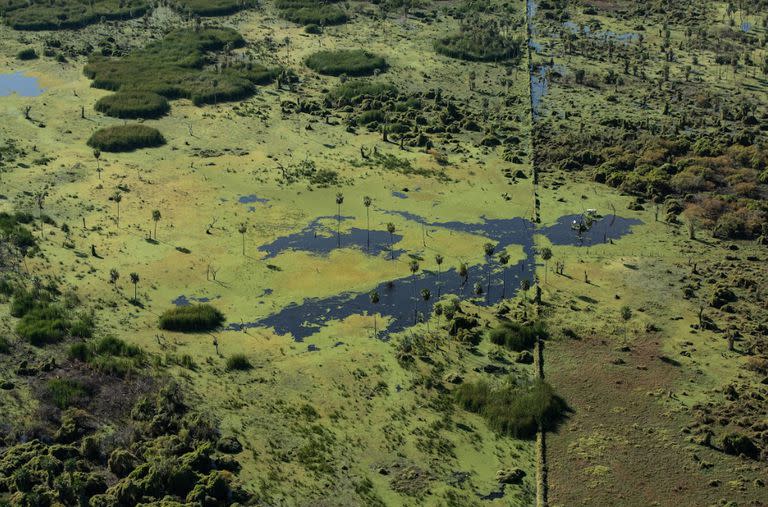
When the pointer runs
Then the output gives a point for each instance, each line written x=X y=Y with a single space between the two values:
x=108 y=355
x=43 y=325
x=513 y=410
x=69 y=14
x=350 y=62
x=238 y=362
x=190 y=319
x=518 y=337
x=126 y=138
x=12 y=229
x=133 y=105
x=358 y=88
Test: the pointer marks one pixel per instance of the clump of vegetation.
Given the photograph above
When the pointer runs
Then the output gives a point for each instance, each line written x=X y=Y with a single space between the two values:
x=69 y=14
x=356 y=89
x=514 y=410
x=175 y=67
x=481 y=40
x=27 y=54
x=190 y=319
x=65 y=393
x=516 y=336
x=5 y=345
x=310 y=12
x=13 y=230
x=126 y=138
x=350 y=62
x=109 y=355
x=43 y=325
x=133 y=105
x=238 y=362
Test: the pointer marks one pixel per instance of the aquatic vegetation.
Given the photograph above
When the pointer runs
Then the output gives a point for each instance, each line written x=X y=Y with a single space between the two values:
x=133 y=105
x=309 y=12
x=192 y=318
x=352 y=62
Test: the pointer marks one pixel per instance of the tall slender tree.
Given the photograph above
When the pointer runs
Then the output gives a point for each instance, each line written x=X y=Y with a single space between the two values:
x=97 y=156
x=503 y=260
x=426 y=295
x=463 y=274
x=117 y=198
x=488 y=250
x=414 y=267
x=367 y=201
x=339 y=202
x=156 y=216
x=374 y=301
x=439 y=262
x=546 y=254
x=391 y=231
x=242 y=230
x=135 y=281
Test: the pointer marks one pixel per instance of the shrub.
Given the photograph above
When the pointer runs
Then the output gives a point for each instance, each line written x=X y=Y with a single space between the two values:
x=13 y=230
x=27 y=54
x=238 y=362
x=480 y=42
x=126 y=138
x=43 y=325
x=191 y=318
x=112 y=346
x=5 y=345
x=351 y=62
x=371 y=116
x=80 y=351
x=65 y=393
x=518 y=337
x=133 y=105
x=82 y=327
x=736 y=444
x=69 y=14
x=313 y=29
x=513 y=410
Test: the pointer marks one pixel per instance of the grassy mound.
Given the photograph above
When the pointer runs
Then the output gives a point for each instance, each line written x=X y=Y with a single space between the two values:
x=513 y=410
x=43 y=325
x=69 y=14
x=174 y=67
x=133 y=105
x=308 y=12
x=351 y=62
x=109 y=355
x=517 y=337
x=126 y=138
x=192 y=318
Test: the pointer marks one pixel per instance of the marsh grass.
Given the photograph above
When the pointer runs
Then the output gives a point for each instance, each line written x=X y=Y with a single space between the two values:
x=108 y=355
x=354 y=62
x=65 y=393
x=126 y=138
x=358 y=88
x=190 y=319
x=511 y=409
x=133 y=105
x=238 y=362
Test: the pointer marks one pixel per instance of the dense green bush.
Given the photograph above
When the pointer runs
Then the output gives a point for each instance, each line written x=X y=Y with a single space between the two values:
x=311 y=12
x=65 y=393
x=43 y=325
x=27 y=54
x=109 y=355
x=133 y=105
x=5 y=345
x=126 y=138
x=174 y=67
x=238 y=362
x=481 y=41
x=191 y=318
x=518 y=337
x=351 y=62
x=12 y=229
x=513 y=410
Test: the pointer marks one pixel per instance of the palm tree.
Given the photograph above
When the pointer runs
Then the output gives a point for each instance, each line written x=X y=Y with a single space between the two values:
x=135 y=282
x=488 y=249
x=463 y=273
x=367 y=201
x=242 y=229
x=374 y=300
x=156 y=218
x=426 y=295
x=525 y=285
x=626 y=315
x=503 y=260
x=97 y=156
x=114 y=275
x=439 y=261
x=414 y=267
x=117 y=198
x=438 y=312
x=546 y=254
x=339 y=201
x=391 y=231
